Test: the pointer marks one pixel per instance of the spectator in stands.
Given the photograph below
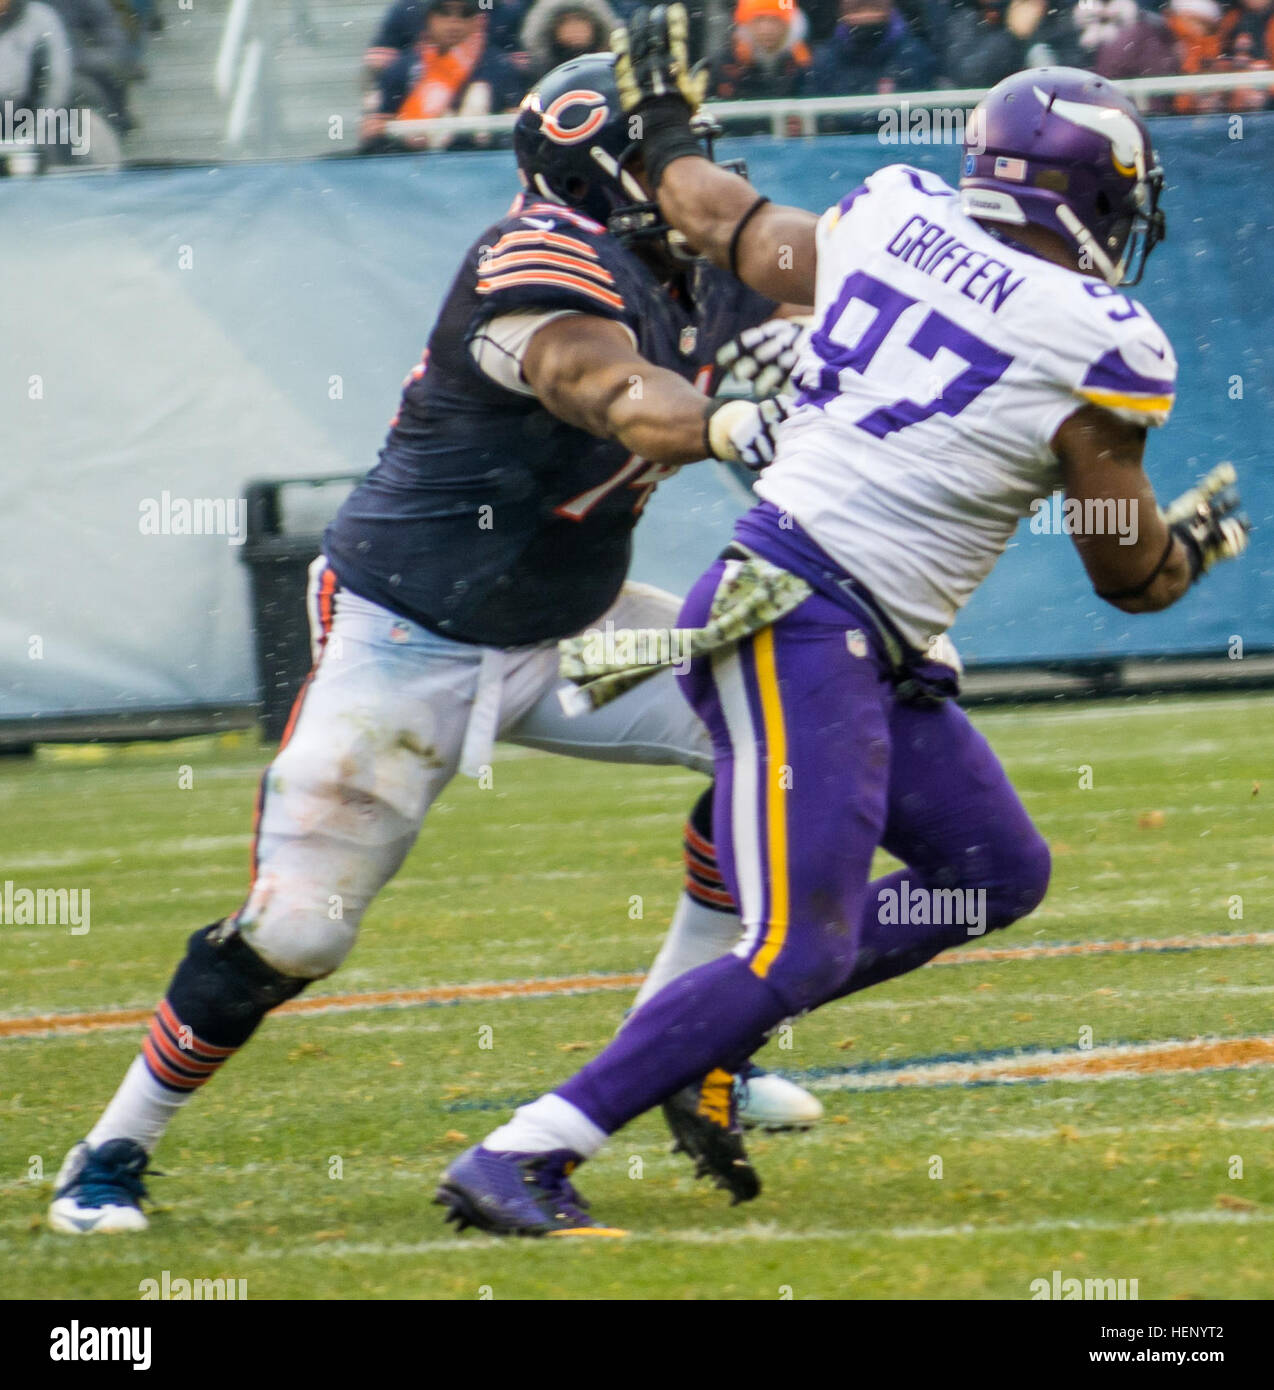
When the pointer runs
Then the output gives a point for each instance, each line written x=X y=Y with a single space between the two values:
x=140 y=19
x=555 y=31
x=987 y=42
x=397 y=33
x=1141 y=46
x=1247 y=30
x=927 y=19
x=764 y=57
x=1197 y=25
x=872 y=49
x=35 y=56
x=1247 y=44
x=450 y=71
x=102 y=59
x=1096 y=21
x=504 y=24
x=403 y=23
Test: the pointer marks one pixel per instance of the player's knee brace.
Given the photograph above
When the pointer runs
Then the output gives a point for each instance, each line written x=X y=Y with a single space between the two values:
x=223 y=989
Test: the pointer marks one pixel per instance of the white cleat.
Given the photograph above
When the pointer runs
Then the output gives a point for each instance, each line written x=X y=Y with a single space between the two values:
x=100 y=1190
x=766 y=1101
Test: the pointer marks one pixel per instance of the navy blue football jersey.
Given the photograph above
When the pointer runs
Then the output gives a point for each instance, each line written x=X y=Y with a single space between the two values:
x=488 y=519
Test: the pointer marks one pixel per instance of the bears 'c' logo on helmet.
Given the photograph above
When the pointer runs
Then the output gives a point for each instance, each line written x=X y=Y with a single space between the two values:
x=598 y=114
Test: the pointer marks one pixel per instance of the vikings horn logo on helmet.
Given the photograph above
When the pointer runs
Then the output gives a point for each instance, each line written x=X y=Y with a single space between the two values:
x=1127 y=148
x=574 y=135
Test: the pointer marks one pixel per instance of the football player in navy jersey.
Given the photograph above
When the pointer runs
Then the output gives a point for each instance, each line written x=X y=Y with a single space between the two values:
x=568 y=372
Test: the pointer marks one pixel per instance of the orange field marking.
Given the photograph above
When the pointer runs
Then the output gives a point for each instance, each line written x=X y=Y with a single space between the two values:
x=969 y=955
x=1114 y=1062
x=332 y=1003
x=1198 y=1055
x=103 y=1019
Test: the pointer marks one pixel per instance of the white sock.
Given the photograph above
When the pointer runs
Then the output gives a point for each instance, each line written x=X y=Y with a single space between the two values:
x=697 y=935
x=545 y=1124
x=141 y=1109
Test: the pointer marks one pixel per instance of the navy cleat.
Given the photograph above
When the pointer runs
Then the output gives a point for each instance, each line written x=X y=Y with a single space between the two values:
x=705 y=1125
x=517 y=1194
x=100 y=1190
x=772 y=1103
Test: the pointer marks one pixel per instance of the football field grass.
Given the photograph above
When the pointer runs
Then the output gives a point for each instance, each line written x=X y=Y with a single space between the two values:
x=1090 y=1091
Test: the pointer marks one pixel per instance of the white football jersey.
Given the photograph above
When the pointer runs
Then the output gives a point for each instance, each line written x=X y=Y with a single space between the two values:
x=941 y=364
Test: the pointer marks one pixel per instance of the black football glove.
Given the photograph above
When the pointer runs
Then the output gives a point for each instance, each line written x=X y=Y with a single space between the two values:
x=742 y=431
x=763 y=356
x=652 y=59
x=657 y=86
x=1209 y=522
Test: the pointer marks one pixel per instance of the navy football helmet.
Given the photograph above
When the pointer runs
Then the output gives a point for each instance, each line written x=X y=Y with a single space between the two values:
x=1066 y=150
x=575 y=145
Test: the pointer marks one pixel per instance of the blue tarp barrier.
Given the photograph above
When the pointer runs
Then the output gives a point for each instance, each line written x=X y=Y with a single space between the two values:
x=172 y=335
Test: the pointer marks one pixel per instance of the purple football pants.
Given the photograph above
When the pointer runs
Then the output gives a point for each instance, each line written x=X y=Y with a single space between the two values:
x=817 y=765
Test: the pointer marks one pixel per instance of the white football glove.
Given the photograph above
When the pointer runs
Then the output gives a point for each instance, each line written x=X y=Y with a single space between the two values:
x=1208 y=520
x=742 y=431
x=763 y=356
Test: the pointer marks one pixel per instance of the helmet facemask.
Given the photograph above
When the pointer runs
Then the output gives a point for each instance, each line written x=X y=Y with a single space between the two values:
x=641 y=222
x=1132 y=237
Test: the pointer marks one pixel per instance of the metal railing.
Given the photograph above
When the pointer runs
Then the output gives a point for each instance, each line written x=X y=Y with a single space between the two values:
x=806 y=111
x=237 y=74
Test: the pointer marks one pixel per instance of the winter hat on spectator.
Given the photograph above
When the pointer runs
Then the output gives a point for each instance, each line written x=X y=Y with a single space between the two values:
x=748 y=10
x=1099 y=20
x=1208 y=11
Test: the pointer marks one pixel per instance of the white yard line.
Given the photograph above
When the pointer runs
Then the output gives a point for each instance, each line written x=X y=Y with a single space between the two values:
x=768 y=1234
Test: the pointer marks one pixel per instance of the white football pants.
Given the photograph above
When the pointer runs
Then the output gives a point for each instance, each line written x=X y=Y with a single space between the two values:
x=389 y=714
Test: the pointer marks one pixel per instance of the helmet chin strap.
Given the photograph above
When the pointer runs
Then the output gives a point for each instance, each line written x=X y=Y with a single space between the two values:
x=1111 y=271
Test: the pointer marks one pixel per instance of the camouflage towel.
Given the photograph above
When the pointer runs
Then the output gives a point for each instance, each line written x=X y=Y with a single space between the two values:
x=604 y=662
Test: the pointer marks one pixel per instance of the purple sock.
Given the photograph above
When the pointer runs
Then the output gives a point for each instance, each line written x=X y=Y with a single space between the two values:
x=715 y=1015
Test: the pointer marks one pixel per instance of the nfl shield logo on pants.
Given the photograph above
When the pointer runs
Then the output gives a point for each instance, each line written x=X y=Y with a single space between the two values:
x=856 y=641
x=689 y=337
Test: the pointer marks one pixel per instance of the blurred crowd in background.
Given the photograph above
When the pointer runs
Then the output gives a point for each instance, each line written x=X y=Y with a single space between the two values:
x=431 y=58
x=83 y=54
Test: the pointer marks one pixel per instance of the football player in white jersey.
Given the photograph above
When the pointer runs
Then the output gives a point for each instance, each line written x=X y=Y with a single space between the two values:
x=972 y=351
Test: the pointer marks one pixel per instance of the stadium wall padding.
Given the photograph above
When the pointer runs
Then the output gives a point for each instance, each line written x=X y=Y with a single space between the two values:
x=186 y=331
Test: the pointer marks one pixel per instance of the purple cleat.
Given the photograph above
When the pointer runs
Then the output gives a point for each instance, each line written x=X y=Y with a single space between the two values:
x=517 y=1194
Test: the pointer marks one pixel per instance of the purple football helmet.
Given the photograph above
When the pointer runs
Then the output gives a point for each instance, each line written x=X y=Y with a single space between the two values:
x=1065 y=150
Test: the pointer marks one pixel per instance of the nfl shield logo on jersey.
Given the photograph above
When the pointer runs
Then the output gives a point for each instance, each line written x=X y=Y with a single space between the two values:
x=856 y=641
x=399 y=632
x=689 y=337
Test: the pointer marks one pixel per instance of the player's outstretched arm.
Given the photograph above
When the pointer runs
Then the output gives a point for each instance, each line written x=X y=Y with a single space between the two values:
x=586 y=371
x=768 y=247
x=1148 y=565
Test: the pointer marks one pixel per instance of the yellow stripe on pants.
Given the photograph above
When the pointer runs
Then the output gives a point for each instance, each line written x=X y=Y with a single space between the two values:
x=774 y=795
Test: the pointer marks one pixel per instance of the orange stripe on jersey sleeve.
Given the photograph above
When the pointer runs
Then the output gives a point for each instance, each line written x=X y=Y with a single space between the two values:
x=497 y=264
x=556 y=279
x=562 y=243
